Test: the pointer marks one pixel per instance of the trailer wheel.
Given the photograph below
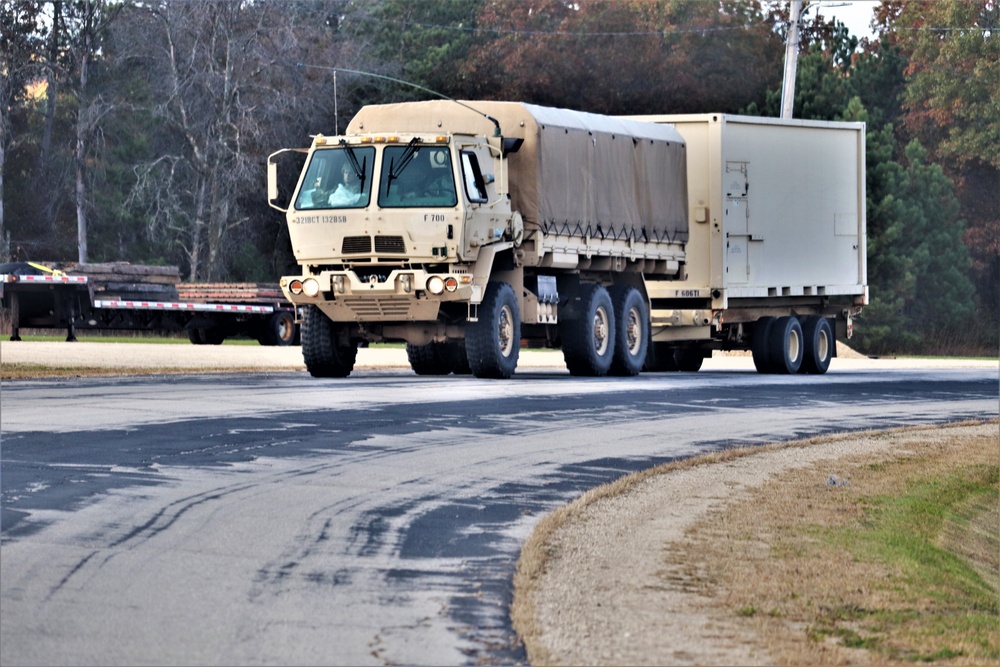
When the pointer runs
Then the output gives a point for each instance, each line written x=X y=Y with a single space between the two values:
x=786 y=346
x=212 y=335
x=325 y=356
x=194 y=335
x=689 y=360
x=632 y=336
x=761 y=344
x=817 y=334
x=588 y=340
x=431 y=359
x=279 y=329
x=660 y=358
x=493 y=343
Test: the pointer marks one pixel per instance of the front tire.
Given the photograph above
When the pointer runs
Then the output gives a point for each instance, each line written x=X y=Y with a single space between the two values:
x=632 y=335
x=493 y=343
x=324 y=354
x=588 y=339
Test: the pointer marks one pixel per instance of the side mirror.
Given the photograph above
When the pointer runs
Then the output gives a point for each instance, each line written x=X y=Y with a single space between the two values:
x=272 y=185
x=511 y=145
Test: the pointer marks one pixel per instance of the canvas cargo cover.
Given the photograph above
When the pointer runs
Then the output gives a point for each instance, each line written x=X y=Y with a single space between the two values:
x=577 y=173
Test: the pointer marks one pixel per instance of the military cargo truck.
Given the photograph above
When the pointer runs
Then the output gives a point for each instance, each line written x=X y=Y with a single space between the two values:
x=468 y=230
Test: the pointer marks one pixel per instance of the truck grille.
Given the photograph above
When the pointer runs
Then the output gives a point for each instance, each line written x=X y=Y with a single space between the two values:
x=388 y=307
x=394 y=244
x=356 y=244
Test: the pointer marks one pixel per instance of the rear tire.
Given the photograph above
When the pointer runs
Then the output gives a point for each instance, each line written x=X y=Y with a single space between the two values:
x=761 y=344
x=431 y=359
x=588 y=340
x=493 y=343
x=632 y=335
x=460 y=359
x=786 y=346
x=660 y=358
x=688 y=360
x=325 y=356
x=817 y=335
x=194 y=335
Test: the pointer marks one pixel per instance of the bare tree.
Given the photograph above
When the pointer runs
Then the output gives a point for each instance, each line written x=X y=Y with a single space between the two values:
x=92 y=20
x=19 y=44
x=225 y=84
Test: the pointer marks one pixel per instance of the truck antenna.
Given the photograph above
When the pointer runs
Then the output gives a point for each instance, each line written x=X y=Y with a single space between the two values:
x=496 y=123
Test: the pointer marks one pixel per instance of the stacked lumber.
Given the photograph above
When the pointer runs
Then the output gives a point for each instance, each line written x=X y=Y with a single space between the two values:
x=229 y=292
x=129 y=282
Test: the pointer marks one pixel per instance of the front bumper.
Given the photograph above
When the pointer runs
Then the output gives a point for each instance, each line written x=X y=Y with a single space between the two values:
x=412 y=295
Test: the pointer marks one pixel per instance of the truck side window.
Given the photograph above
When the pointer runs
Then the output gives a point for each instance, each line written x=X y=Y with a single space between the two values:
x=475 y=185
x=337 y=178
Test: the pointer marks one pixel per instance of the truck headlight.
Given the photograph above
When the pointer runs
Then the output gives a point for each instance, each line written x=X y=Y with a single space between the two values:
x=310 y=287
x=450 y=283
x=435 y=285
x=295 y=287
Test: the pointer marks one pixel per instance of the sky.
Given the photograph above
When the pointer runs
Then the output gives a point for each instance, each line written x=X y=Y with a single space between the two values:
x=855 y=14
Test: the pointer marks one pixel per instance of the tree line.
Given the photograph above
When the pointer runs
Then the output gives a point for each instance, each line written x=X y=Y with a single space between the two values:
x=139 y=130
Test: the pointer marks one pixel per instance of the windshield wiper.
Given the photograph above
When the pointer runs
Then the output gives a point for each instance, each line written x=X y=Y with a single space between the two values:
x=404 y=161
x=359 y=168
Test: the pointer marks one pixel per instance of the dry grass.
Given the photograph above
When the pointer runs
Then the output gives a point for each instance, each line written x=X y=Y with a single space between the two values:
x=778 y=561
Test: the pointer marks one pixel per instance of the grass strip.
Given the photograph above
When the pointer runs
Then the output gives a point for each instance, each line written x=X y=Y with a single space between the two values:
x=938 y=605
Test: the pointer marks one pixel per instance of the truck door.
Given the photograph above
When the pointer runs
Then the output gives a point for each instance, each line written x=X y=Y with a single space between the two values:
x=737 y=223
x=483 y=223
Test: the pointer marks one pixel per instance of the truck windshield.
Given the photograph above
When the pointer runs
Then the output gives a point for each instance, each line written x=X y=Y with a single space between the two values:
x=416 y=176
x=338 y=178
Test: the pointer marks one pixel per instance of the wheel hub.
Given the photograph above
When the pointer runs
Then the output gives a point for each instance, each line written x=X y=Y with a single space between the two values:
x=601 y=331
x=505 y=332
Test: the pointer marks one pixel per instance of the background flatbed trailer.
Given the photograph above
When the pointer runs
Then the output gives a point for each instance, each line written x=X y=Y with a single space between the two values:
x=117 y=297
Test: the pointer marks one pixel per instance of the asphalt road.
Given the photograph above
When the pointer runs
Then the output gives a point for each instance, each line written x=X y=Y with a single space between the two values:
x=278 y=519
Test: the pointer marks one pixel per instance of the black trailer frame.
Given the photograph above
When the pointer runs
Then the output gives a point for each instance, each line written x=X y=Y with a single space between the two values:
x=52 y=301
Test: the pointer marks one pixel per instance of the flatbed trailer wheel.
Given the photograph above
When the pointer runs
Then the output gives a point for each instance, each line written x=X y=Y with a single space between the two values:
x=279 y=329
x=194 y=335
x=588 y=339
x=786 y=346
x=209 y=336
x=817 y=335
x=325 y=355
x=632 y=336
x=493 y=343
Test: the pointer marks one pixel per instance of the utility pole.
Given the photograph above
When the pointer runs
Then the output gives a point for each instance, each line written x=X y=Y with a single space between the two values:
x=791 y=59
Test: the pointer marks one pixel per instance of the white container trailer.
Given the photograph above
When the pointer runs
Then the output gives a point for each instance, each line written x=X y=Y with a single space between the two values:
x=777 y=221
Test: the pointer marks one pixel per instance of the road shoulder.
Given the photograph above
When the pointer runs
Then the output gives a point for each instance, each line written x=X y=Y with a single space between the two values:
x=607 y=580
